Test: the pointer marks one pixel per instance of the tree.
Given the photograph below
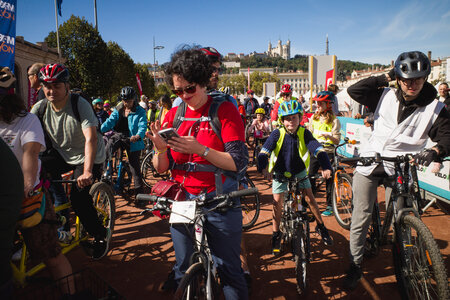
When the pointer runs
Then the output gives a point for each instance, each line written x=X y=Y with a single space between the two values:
x=162 y=89
x=88 y=58
x=123 y=70
x=238 y=83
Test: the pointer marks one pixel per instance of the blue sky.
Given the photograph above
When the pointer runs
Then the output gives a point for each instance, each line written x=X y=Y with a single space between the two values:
x=366 y=31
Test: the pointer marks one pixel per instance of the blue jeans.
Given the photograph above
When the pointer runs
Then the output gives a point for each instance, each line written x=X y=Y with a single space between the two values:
x=224 y=232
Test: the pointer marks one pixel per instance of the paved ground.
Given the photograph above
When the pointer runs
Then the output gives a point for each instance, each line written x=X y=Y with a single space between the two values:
x=141 y=256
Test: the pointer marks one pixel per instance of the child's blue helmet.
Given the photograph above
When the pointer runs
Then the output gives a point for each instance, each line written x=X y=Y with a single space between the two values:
x=289 y=108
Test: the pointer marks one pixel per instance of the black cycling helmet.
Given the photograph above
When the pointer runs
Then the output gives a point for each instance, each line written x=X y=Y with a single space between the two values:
x=53 y=73
x=212 y=54
x=127 y=93
x=413 y=64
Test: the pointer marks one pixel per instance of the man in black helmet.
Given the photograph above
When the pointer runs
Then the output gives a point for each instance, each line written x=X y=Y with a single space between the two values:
x=402 y=118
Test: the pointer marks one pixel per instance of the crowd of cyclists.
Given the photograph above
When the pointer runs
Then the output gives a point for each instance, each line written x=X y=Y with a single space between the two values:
x=65 y=131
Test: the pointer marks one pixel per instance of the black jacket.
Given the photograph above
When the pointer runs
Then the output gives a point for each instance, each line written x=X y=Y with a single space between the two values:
x=368 y=92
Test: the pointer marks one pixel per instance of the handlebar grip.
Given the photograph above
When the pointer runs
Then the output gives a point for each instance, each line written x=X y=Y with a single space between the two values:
x=246 y=192
x=350 y=159
x=64 y=181
x=146 y=197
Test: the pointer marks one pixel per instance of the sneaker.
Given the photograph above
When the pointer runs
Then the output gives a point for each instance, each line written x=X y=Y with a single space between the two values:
x=17 y=255
x=170 y=285
x=323 y=231
x=101 y=246
x=64 y=237
x=276 y=243
x=328 y=212
x=353 y=276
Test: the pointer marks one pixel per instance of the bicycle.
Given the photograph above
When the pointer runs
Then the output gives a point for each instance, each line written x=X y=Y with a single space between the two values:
x=295 y=230
x=342 y=193
x=201 y=278
x=250 y=204
x=116 y=164
x=149 y=172
x=419 y=267
x=249 y=134
x=103 y=198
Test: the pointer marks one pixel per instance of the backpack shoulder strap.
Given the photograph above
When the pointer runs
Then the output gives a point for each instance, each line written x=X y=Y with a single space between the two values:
x=179 y=115
x=74 y=101
x=213 y=114
x=42 y=109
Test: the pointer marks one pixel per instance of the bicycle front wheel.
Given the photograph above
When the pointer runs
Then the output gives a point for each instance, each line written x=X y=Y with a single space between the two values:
x=250 y=204
x=194 y=284
x=342 y=200
x=419 y=267
x=300 y=258
x=103 y=197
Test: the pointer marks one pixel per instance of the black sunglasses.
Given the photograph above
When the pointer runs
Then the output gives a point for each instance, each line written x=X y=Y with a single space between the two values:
x=189 y=90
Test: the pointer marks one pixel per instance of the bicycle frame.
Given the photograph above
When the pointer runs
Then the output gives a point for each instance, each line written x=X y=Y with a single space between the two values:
x=20 y=272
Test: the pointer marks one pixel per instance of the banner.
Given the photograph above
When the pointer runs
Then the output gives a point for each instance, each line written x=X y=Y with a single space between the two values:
x=7 y=33
x=329 y=78
x=138 y=79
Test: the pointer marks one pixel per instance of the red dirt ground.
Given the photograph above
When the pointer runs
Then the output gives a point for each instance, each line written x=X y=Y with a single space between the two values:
x=141 y=256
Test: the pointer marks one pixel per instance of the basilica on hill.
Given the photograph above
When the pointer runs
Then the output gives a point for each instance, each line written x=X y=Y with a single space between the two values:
x=280 y=50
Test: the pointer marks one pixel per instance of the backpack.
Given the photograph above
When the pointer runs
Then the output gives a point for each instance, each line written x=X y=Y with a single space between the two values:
x=74 y=102
x=213 y=119
x=33 y=209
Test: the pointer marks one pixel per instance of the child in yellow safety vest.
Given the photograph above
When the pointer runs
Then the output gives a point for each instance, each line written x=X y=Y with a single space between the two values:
x=289 y=148
x=325 y=128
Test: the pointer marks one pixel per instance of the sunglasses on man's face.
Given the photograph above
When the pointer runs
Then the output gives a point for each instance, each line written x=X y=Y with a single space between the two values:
x=188 y=90
x=217 y=70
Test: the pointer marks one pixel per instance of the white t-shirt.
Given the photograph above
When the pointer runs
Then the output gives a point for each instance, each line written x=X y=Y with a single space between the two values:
x=143 y=105
x=21 y=131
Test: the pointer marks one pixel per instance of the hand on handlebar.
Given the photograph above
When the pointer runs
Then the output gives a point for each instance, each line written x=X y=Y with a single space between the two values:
x=426 y=157
x=326 y=174
x=85 y=179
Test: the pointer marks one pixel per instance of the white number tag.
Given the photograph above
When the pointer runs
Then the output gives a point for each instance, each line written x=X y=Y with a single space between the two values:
x=182 y=212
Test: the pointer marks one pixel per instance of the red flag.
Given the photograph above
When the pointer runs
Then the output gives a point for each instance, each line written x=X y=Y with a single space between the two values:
x=138 y=79
x=329 y=78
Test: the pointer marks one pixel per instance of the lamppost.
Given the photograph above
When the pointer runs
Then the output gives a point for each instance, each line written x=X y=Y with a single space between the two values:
x=154 y=56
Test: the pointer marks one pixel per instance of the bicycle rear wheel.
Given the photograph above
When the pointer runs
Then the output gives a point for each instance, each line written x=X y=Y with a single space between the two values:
x=193 y=284
x=103 y=197
x=250 y=204
x=342 y=200
x=249 y=136
x=149 y=173
x=299 y=244
x=419 y=267
x=372 y=244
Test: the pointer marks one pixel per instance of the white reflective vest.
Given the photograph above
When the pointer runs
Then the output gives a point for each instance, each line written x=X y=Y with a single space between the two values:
x=390 y=138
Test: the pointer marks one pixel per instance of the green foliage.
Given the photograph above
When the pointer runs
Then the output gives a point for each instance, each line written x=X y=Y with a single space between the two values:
x=123 y=69
x=162 y=89
x=99 y=69
x=88 y=58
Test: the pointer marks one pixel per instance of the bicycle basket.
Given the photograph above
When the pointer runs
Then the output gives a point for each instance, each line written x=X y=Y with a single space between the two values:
x=88 y=285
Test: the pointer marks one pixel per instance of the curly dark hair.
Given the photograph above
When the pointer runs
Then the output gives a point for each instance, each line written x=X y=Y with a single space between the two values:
x=11 y=107
x=191 y=64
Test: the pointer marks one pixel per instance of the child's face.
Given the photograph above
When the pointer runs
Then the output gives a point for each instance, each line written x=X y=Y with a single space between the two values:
x=291 y=123
x=321 y=106
x=259 y=117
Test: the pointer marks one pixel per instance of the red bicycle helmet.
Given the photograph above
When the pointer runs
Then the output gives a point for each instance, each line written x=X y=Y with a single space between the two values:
x=212 y=52
x=250 y=92
x=326 y=96
x=286 y=89
x=53 y=73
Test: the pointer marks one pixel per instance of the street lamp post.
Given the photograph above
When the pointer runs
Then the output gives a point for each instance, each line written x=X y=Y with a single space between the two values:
x=154 y=56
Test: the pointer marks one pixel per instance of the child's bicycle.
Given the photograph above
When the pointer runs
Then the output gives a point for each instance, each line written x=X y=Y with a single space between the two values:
x=419 y=267
x=295 y=230
x=103 y=198
x=201 y=279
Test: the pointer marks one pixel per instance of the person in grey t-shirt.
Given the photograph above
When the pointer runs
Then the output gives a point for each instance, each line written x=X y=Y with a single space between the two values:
x=73 y=144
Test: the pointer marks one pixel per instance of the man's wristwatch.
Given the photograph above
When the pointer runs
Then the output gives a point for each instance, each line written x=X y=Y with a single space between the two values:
x=205 y=152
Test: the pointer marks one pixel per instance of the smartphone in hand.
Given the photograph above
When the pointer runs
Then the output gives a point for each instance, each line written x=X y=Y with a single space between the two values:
x=168 y=133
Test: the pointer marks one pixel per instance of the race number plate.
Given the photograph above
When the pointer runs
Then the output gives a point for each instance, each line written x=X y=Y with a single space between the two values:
x=182 y=212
